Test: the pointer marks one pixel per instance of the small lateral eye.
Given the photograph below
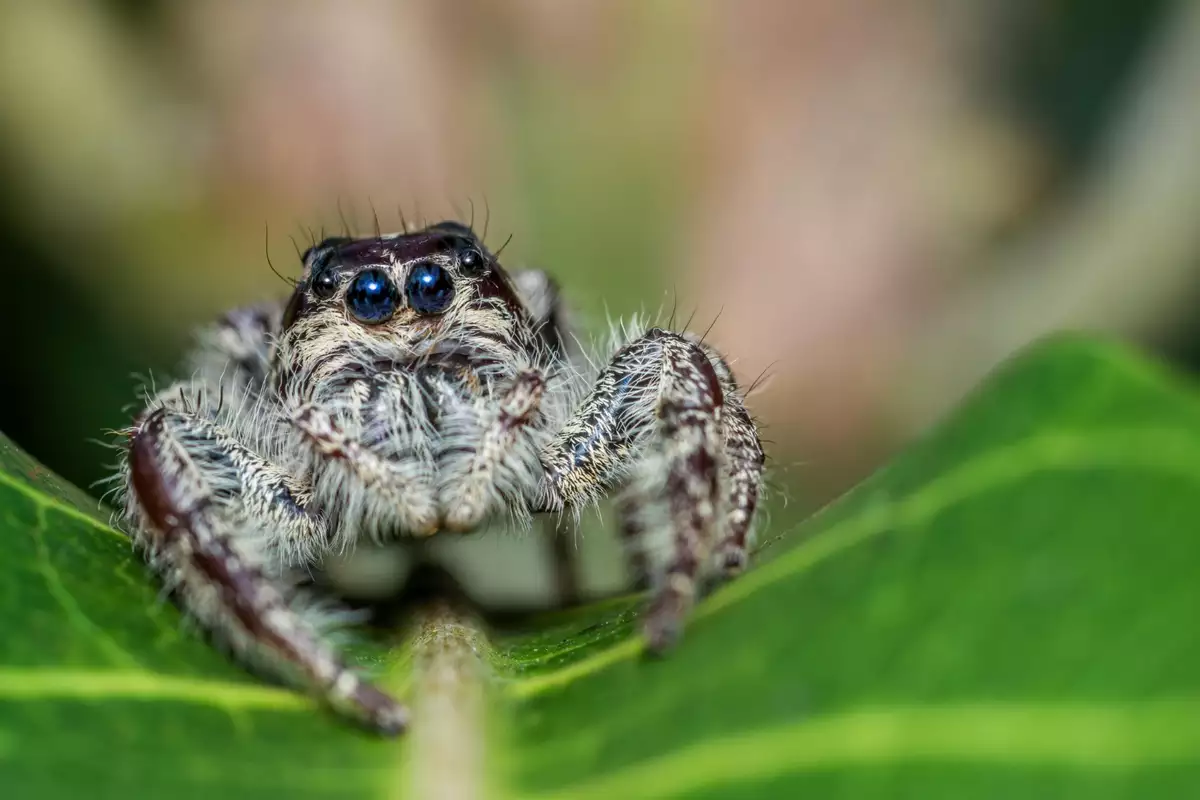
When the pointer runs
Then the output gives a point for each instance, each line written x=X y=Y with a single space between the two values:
x=372 y=298
x=470 y=259
x=429 y=288
x=324 y=285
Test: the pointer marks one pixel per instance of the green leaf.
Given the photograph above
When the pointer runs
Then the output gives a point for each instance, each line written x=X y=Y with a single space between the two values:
x=1005 y=610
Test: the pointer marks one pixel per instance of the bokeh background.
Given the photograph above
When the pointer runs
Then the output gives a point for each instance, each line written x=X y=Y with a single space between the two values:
x=873 y=200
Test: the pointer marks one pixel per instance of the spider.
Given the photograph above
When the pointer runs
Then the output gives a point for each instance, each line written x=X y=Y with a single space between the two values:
x=412 y=387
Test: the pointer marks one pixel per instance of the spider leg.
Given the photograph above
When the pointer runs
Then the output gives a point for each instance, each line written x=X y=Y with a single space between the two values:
x=655 y=427
x=234 y=356
x=742 y=471
x=404 y=492
x=560 y=533
x=221 y=524
x=495 y=471
x=743 y=464
x=633 y=536
x=677 y=489
x=369 y=451
x=543 y=298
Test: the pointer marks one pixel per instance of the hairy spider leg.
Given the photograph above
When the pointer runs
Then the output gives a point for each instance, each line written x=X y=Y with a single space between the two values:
x=654 y=427
x=196 y=521
x=477 y=486
x=543 y=298
x=744 y=462
x=224 y=525
x=385 y=493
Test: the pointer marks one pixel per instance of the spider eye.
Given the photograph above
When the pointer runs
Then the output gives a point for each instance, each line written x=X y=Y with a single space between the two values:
x=372 y=297
x=429 y=288
x=470 y=259
x=324 y=285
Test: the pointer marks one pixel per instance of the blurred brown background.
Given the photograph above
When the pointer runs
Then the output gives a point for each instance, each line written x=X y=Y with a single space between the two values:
x=875 y=200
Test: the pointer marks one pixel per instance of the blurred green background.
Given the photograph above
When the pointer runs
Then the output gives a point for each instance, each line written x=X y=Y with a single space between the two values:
x=875 y=200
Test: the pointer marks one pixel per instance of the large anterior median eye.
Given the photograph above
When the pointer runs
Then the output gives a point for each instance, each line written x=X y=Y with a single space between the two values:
x=372 y=297
x=429 y=288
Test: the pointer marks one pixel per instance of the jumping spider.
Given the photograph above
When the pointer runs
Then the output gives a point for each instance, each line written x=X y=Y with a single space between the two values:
x=410 y=387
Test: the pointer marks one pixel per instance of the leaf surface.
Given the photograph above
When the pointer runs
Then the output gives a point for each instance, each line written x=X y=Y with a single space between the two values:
x=1007 y=609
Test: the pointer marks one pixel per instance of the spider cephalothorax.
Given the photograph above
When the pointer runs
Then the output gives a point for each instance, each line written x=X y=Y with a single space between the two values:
x=411 y=386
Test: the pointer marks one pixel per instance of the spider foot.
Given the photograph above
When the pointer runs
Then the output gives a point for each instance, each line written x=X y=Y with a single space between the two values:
x=667 y=615
x=731 y=560
x=371 y=706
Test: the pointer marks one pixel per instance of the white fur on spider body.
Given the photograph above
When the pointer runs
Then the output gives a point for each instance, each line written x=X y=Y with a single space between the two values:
x=411 y=386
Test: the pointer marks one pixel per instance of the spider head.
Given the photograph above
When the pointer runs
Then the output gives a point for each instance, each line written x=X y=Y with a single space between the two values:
x=412 y=280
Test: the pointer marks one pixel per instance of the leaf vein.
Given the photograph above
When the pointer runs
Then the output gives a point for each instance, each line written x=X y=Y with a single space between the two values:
x=1084 y=736
x=70 y=606
x=42 y=683
x=43 y=501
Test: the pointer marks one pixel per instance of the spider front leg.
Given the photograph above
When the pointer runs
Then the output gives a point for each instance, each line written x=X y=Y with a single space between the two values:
x=370 y=458
x=489 y=462
x=218 y=522
x=665 y=425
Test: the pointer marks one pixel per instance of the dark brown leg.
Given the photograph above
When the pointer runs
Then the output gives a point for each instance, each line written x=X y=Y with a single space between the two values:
x=690 y=434
x=743 y=468
x=654 y=423
x=186 y=529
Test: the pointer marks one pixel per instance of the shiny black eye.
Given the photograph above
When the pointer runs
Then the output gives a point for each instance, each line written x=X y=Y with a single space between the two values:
x=324 y=284
x=372 y=297
x=470 y=259
x=429 y=288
